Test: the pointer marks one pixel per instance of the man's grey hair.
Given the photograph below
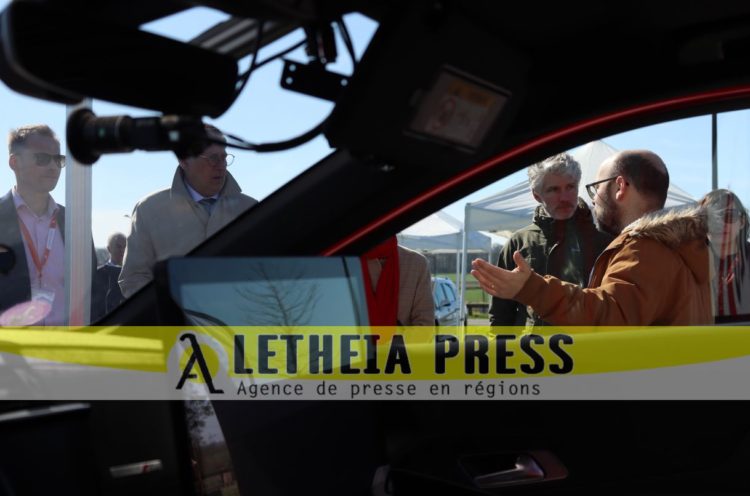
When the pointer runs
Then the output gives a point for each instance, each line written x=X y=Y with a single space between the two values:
x=562 y=164
x=112 y=237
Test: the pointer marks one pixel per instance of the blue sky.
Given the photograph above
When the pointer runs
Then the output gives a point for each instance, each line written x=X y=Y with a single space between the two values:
x=685 y=146
x=265 y=112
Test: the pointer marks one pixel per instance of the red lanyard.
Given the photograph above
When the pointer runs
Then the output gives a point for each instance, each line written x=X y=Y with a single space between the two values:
x=39 y=264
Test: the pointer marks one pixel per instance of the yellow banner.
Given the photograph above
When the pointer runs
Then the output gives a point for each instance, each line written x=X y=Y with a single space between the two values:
x=379 y=354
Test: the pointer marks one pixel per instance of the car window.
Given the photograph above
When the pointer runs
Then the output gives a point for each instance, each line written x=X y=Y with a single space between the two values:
x=450 y=294
x=491 y=215
x=102 y=198
x=439 y=294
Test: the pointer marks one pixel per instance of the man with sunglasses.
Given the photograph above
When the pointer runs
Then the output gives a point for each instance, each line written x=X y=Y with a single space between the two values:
x=655 y=272
x=204 y=198
x=32 y=224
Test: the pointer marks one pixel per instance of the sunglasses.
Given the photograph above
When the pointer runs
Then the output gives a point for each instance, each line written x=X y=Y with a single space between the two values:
x=43 y=159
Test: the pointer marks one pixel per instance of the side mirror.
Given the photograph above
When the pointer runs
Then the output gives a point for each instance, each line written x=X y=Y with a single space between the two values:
x=76 y=54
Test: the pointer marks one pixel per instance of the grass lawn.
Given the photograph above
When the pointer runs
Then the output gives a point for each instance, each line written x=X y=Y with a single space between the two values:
x=474 y=294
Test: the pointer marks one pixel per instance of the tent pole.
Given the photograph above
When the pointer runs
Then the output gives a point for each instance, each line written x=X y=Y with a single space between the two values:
x=462 y=274
x=714 y=153
x=458 y=260
x=78 y=242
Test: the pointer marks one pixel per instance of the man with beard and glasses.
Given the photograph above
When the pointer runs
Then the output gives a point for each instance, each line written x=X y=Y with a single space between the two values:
x=655 y=272
x=561 y=241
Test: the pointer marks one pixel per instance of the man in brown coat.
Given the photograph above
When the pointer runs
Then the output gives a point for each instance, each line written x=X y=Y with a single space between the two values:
x=655 y=272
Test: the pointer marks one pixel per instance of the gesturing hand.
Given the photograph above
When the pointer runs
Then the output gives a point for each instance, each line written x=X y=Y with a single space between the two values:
x=500 y=282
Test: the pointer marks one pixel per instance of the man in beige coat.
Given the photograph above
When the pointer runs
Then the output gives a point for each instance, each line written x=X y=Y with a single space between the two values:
x=203 y=198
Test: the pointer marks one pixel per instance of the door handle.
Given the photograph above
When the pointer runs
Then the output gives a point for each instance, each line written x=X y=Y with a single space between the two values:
x=526 y=471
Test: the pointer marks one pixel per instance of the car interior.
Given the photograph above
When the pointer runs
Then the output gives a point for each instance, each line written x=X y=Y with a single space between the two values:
x=392 y=162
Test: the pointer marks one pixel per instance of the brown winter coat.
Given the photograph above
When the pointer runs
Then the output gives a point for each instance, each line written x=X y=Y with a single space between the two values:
x=656 y=272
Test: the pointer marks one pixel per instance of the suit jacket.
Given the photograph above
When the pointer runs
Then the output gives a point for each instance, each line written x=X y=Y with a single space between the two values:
x=15 y=286
x=415 y=304
x=107 y=295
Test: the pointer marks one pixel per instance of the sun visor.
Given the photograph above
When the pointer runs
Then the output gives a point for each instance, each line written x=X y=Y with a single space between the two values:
x=78 y=55
x=434 y=88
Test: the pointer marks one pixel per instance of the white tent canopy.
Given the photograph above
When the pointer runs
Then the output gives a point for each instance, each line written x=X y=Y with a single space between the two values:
x=513 y=208
x=441 y=231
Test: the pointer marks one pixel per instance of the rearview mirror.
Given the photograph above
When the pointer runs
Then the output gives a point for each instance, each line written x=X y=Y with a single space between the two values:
x=112 y=62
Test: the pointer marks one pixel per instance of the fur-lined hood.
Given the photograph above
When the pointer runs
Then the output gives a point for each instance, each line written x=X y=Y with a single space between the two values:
x=683 y=230
x=671 y=227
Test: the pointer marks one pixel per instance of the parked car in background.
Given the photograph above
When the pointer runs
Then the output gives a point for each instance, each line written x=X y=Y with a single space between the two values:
x=447 y=304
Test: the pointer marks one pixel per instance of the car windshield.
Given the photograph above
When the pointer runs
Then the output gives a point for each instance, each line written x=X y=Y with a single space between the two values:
x=264 y=112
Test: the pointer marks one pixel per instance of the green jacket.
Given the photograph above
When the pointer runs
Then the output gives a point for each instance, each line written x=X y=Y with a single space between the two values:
x=564 y=249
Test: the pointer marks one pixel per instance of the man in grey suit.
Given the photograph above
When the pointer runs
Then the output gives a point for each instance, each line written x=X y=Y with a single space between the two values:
x=32 y=224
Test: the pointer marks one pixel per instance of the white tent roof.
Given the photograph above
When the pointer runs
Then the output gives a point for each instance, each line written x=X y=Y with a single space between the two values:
x=513 y=208
x=441 y=231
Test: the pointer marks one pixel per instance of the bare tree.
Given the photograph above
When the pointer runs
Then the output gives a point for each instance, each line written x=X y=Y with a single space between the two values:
x=279 y=302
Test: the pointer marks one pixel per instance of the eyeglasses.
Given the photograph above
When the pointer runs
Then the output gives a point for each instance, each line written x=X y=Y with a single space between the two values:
x=217 y=159
x=592 y=188
x=43 y=159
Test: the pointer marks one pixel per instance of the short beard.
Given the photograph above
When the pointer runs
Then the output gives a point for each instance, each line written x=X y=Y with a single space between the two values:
x=606 y=220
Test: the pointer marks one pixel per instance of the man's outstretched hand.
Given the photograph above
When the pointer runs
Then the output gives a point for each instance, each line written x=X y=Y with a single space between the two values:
x=500 y=282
